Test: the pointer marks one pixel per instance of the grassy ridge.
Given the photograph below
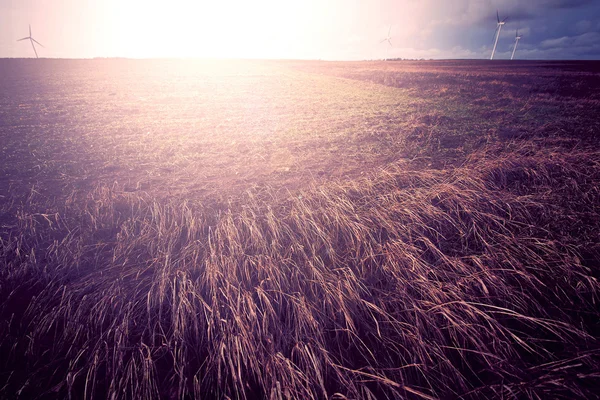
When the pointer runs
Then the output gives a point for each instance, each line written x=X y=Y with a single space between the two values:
x=473 y=278
x=408 y=283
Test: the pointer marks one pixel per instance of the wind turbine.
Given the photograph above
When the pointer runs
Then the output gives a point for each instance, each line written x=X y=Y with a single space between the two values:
x=389 y=40
x=498 y=29
x=31 y=39
x=517 y=38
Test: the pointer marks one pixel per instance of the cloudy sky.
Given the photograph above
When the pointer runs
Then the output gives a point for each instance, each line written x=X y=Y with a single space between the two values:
x=314 y=29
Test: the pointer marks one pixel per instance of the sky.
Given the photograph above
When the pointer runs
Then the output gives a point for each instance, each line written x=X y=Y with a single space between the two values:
x=301 y=29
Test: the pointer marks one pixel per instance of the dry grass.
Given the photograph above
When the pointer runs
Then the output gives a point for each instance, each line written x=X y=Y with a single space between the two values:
x=475 y=278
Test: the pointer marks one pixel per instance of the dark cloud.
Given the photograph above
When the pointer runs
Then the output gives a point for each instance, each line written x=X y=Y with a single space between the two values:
x=553 y=28
x=565 y=4
x=589 y=39
x=520 y=14
x=530 y=10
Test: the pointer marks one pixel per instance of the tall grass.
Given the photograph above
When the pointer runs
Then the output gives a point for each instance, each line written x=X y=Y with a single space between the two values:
x=477 y=281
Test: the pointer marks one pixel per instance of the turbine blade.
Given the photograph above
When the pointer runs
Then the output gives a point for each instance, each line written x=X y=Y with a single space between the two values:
x=34 y=50
x=383 y=40
x=29 y=30
x=25 y=38
x=389 y=31
x=497 y=15
x=37 y=42
x=390 y=42
x=505 y=19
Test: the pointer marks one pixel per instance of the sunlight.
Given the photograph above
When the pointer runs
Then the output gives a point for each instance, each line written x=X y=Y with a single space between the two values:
x=264 y=28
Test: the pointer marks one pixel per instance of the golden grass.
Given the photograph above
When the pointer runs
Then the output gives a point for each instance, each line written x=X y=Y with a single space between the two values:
x=474 y=281
x=408 y=283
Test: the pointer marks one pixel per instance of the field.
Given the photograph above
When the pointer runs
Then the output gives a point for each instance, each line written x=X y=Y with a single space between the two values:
x=184 y=229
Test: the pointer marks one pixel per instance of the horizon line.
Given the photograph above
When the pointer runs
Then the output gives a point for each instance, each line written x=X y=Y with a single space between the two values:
x=298 y=59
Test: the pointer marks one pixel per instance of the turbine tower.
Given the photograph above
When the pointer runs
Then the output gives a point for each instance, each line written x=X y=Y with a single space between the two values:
x=31 y=39
x=389 y=40
x=517 y=38
x=498 y=29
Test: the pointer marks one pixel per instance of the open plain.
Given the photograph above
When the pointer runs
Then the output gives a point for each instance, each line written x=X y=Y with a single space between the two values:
x=244 y=229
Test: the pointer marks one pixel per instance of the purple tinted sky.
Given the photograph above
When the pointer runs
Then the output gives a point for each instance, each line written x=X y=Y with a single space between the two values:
x=334 y=29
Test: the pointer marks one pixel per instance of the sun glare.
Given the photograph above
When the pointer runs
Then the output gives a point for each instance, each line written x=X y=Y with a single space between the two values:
x=238 y=28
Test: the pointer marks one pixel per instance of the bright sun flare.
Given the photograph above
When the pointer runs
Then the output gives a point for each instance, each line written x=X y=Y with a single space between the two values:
x=183 y=28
